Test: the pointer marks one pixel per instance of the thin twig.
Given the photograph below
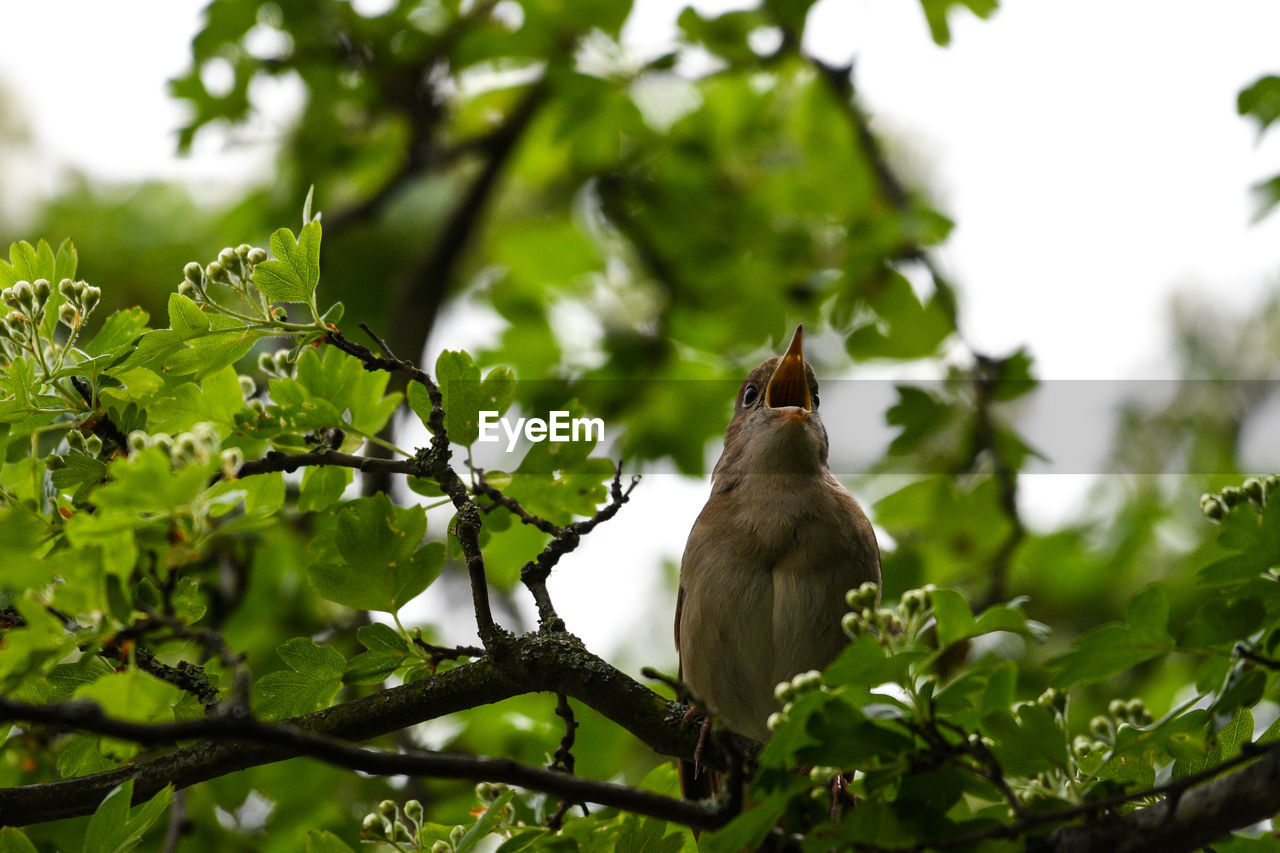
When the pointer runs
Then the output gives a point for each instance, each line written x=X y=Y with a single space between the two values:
x=1261 y=660
x=434 y=462
x=535 y=573
x=562 y=761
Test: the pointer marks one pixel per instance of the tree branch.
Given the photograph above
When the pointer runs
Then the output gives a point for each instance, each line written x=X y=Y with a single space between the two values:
x=289 y=462
x=532 y=663
x=292 y=741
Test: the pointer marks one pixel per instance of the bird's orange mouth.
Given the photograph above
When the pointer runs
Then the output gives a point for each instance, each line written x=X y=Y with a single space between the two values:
x=789 y=385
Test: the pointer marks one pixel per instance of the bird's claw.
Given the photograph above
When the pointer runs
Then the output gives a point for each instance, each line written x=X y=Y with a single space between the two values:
x=702 y=743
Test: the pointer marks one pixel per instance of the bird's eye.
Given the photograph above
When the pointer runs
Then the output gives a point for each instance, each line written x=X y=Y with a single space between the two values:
x=815 y=400
x=749 y=395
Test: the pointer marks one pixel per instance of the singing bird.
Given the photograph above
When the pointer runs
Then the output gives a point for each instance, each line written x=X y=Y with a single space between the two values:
x=770 y=557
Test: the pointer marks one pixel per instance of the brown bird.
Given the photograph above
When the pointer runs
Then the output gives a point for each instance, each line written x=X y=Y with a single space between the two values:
x=768 y=562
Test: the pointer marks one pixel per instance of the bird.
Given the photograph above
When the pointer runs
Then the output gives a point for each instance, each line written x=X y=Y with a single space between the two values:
x=770 y=557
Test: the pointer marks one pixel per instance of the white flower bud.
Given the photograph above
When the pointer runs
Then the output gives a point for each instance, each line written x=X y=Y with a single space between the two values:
x=24 y=295
x=232 y=459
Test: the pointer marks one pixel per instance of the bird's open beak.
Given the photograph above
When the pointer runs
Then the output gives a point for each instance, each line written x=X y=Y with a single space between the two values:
x=789 y=385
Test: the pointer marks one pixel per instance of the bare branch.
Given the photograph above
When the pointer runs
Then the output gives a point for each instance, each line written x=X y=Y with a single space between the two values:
x=293 y=741
x=289 y=462
x=529 y=664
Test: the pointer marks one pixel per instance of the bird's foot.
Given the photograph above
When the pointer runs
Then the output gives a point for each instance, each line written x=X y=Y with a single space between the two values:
x=703 y=732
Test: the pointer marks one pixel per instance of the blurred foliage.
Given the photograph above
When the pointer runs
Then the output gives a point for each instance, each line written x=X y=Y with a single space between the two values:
x=517 y=158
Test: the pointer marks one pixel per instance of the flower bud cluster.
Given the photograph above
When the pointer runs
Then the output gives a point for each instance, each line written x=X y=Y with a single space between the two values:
x=233 y=268
x=787 y=692
x=90 y=445
x=80 y=298
x=194 y=283
x=77 y=442
x=276 y=364
x=886 y=623
x=1120 y=714
x=198 y=446
x=28 y=302
x=394 y=826
x=1255 y=491
x=488 y=792
x=1053 y=700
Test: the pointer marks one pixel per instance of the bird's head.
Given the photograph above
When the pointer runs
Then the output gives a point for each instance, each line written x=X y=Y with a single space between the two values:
x=776 y=428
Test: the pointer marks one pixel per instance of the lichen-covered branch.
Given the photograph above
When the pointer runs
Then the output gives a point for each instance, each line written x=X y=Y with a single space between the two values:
x=533 y=663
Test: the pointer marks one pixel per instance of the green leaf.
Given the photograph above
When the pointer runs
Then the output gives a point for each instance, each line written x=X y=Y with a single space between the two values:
x=312 y=680
x=78 y=469
x=1113 y=648
x=1261 y=101
x=14 y=840
x=293 y=276
x=331 y=375
x=1030 y=742
x=381 y=566
x=747 y=830
x=115 y=828
x=464 y=398
x=937 y=11
x=119 y=329
x=865 y=663
x=133 y=695
x=185 y=316
x=382 y=638
x=485 y=824
x=955 y=620
x=323 y=841
x=109 y=820
x=322 y=486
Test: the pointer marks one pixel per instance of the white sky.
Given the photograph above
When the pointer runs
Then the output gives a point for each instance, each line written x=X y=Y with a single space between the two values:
x=1089 y=152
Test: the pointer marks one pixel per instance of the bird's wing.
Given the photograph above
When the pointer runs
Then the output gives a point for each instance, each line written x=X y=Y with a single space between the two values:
x=679 y=608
